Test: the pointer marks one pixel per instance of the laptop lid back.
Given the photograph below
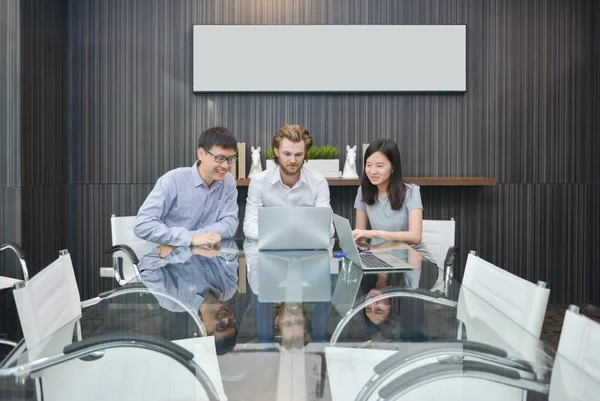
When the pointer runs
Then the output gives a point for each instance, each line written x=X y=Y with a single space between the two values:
x=293 y=228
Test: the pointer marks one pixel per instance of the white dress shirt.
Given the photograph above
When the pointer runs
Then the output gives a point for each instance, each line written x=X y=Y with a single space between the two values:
x=267 y=190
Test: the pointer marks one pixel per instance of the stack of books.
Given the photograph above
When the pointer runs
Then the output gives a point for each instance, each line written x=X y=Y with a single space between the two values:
x=238 y=169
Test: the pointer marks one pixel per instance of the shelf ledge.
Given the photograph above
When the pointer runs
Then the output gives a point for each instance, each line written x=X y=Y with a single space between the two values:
x=421 y=181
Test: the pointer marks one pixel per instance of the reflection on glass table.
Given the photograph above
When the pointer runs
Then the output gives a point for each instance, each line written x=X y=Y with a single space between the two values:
x=294 y=326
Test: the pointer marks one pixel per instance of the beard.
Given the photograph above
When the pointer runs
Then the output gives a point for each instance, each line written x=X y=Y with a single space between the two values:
x=290 y=169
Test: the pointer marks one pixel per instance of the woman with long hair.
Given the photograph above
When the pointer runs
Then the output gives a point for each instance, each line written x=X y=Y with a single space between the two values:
x=392 y=206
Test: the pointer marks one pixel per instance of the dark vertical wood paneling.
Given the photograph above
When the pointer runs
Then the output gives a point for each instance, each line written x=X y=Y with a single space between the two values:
x=529 y=119
x=43 y=136
x=10 y=142
x=10 y=156
x=43 y=89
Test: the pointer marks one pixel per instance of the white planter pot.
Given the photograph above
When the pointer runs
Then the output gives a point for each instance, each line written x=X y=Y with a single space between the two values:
x=327 y=168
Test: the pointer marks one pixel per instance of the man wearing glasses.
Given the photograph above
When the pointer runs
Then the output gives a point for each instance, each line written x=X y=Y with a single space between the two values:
x=197 y=205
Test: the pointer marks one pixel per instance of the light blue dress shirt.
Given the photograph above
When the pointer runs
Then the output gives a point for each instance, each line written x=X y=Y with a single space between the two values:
x=189 y=278
x=181 y=206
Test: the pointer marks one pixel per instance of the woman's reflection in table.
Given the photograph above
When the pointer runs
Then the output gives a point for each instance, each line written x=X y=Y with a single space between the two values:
x=392 y=319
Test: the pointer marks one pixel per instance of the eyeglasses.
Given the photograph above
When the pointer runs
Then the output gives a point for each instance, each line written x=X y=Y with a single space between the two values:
x=222 y=326
x=220 y=158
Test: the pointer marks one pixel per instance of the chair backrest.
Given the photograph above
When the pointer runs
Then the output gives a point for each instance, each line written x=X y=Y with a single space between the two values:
x=520 y=300
x=576 y=370
x=122 y=234
x=438 y=236
x=501 y=309
x=48 y=301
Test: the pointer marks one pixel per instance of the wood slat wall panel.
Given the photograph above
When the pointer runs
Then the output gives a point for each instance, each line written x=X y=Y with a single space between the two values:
x=528 y=118
x=10 y=139
x=10 y=156
x=43 y=92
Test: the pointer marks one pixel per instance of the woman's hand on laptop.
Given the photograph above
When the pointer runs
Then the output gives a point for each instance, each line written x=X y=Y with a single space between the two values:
x=206 y=239
x=361 y=235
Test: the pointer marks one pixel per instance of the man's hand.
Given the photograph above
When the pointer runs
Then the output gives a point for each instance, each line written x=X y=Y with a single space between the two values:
x=206 y=238
x=164 y=250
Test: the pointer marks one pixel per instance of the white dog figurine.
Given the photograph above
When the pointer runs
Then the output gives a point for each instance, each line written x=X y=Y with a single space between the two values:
x=350 y=165
x=256 y=166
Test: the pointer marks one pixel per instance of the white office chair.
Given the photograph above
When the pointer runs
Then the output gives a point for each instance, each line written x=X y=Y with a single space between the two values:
x=439 y=238
x=576 y=370
x=127 y=250
x=500 y=314
x=116 y=367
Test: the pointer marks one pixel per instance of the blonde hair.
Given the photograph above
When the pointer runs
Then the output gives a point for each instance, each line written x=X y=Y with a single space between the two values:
x=295 y=133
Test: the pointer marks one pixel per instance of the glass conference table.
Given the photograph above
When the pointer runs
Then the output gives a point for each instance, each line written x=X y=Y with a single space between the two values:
x=235 y=323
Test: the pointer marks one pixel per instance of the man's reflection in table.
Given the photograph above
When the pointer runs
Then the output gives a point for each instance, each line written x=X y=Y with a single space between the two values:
x=201 y=279
x=290 y=324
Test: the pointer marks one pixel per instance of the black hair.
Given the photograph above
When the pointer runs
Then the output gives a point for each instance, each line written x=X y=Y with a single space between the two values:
x=217 y=136
x=396 y=186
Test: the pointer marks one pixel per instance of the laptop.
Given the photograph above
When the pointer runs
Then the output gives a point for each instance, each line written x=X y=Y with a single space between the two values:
x=366 y=260
x=293 y=228
x=294 y=276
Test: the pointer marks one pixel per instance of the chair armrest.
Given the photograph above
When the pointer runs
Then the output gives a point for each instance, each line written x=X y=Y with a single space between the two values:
x=125 y=249
x=20 y=254
x=16 y=248
x=8 y=343
x=448 y=352
x=438 y=349
x=111 y=338
x=137 y=288
x=450 y=255
x=467 y=369
x=94 y=345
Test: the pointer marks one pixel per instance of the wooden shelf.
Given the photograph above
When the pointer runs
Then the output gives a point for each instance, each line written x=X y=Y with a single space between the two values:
x=421 y=181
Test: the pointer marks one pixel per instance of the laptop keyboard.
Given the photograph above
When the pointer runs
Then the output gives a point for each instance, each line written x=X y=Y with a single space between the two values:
x=370 y=260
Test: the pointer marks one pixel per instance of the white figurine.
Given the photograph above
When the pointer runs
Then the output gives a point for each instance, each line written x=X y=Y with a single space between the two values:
x=350 y=165
x=256 y=166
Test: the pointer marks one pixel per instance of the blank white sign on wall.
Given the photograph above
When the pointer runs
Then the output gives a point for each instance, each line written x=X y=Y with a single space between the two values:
x=329 y=58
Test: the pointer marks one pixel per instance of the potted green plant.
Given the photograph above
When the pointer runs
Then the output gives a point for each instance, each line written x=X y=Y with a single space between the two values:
x=325 y=161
